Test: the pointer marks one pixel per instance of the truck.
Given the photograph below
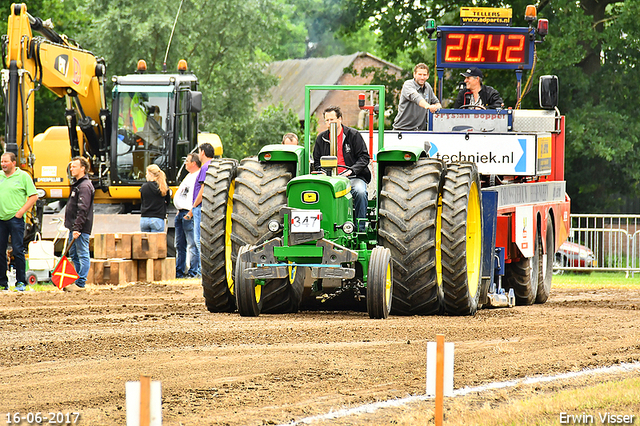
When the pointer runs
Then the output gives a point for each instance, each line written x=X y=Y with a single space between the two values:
x=465 y=215
x=153 y=118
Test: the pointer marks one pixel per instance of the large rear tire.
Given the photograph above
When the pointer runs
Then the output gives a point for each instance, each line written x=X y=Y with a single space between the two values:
x=248 y=293
x=379 y=283
x=523 y=276
x=546 y=271
x=461 y=245
x=260 y=193
x=215 y=235
x=408 y=219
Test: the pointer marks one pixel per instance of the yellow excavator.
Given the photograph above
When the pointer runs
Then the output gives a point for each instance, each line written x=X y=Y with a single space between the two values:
x=153 y=118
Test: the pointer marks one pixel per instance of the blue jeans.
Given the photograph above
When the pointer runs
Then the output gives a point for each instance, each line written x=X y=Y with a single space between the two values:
x=79 y=254
x=185 y=240
x=15 y=228
x=151 y=224
x=197 y=218
x=360 y=198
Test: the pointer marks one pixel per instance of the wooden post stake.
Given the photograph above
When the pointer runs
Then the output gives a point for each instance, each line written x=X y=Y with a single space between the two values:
x=439 y=414
x=145 y=400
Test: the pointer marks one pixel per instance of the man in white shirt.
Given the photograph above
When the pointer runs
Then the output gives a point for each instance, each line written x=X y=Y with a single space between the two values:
x=184 y=223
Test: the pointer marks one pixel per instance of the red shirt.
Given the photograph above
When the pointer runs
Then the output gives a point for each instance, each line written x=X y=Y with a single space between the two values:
x=340 y=154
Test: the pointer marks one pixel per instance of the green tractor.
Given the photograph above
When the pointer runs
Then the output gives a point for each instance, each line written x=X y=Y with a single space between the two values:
x=268 y=221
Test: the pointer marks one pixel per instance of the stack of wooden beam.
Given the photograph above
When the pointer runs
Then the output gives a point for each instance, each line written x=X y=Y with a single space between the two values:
x=130 y=257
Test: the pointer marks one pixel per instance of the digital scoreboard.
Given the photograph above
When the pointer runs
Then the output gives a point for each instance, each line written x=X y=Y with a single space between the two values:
x=484 y=47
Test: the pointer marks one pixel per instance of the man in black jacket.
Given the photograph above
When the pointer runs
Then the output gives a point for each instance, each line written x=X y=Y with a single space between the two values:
x=476 y=95
x=352 y=152
x=78 y=218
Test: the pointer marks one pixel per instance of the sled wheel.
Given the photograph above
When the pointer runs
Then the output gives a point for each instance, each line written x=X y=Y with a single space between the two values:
x=548 y=259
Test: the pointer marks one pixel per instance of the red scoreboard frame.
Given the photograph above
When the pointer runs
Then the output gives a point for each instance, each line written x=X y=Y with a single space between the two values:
x=485 y=47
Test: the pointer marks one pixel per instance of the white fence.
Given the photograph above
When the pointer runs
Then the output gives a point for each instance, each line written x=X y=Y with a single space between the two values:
x=607 y=243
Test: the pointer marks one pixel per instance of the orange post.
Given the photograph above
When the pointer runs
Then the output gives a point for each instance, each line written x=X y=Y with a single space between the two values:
x=439 y=414
x=145 y=400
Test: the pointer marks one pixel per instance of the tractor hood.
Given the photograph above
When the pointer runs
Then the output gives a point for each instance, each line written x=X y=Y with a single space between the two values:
x=329 y=194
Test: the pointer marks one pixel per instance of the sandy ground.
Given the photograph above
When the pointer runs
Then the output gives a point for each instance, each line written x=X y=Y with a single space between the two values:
x=73 y=352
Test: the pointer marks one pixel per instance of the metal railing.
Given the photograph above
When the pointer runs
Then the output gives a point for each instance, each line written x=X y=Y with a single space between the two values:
x=601 y=243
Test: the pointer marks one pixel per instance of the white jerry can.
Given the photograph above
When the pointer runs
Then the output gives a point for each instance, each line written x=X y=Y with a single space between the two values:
x=41 y=254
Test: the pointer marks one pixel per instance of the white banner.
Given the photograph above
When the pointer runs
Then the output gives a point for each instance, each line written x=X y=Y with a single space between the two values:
x=498 y=154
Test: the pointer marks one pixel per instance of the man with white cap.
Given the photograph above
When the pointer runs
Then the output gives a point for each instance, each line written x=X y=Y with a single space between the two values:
x=477 y=95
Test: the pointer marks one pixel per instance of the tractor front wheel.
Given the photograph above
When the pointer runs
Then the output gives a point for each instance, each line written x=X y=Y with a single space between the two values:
x=379 y=283
x=260 y=194
x=248 y=293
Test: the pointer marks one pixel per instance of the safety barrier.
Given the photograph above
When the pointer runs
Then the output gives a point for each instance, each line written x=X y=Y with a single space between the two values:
x=599 y=242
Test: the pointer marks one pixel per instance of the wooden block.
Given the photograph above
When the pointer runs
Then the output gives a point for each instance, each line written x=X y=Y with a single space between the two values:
x=148 y=245
x=111 y=271
x=164 y=269
x=122 y=246
x=103 y=246
x=118 y=270
x=95 y=265
x=144 y=270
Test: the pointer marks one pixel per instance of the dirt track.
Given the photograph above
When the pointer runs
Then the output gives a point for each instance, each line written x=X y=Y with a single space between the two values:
x=74 y=352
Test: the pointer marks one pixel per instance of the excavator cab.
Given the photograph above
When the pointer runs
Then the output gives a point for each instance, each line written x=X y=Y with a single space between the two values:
x=141 y=134
x=155 y=121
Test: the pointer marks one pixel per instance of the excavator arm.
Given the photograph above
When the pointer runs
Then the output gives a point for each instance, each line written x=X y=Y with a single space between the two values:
x=60 y=65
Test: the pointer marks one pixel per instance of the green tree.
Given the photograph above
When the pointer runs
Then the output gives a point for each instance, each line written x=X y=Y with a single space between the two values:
x=593 y=46
x=226 y=43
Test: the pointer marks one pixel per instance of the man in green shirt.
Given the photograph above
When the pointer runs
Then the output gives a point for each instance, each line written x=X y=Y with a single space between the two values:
x=18 y=195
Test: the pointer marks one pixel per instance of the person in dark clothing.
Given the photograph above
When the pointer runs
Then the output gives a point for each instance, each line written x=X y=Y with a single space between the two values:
x=154 y=196
x=477 y=95
x=352 y=152
x=78 y=219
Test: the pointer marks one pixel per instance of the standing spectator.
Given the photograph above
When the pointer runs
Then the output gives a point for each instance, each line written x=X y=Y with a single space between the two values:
x=290 y=139
x=78 y=218
x=416 y=99
x=205 y=154
x=18 y=194
x=185 y=235
x=155 y=197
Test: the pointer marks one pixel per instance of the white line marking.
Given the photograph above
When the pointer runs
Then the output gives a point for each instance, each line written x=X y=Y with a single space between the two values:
x=370 y=408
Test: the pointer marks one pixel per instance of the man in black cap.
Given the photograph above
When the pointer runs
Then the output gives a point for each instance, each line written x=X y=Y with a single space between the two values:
x=477 y=95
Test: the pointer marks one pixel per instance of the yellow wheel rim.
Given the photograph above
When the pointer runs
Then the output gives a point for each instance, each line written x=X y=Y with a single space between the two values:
x=439 y=242
x=387 y=286
x=257 y=291
x=474 y=240
x=292 y=273
x=227 y=237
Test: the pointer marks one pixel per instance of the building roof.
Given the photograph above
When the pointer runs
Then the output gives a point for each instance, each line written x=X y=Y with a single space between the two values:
x=295 y=74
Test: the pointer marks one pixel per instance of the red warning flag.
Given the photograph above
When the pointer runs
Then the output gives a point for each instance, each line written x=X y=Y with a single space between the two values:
x=64 y=274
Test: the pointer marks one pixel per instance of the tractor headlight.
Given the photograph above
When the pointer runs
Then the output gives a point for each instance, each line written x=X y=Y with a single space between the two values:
x=274 y=226
x=348 y=227
x=41 y=193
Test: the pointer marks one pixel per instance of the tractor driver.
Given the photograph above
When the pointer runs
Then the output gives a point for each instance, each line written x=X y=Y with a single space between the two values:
x=477 y=95
x=352 y=152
